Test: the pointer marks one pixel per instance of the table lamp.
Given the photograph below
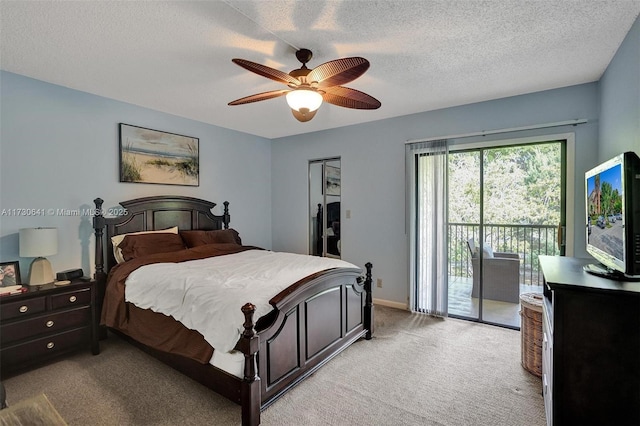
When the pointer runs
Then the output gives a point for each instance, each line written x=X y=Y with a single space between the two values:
x=39 y=242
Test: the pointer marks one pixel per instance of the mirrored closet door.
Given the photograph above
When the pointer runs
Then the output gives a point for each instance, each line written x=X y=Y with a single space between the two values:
x=324 y=207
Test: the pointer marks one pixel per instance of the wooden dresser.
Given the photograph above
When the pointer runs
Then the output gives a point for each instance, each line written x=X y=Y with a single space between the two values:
x=590 y=347
x=46 y=322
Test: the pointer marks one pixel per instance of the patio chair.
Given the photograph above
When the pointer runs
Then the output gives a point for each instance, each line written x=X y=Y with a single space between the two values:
x=501 y=274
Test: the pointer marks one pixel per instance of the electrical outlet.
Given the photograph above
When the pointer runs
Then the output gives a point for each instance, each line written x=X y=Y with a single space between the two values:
x=348 y=213
x=379 y=282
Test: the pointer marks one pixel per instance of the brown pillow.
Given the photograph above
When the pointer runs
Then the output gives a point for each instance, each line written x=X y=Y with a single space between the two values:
x=117 y=239
x=220 y=236
x=134 y=246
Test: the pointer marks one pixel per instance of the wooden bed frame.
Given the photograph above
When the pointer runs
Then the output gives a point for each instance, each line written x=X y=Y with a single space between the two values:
x=312 y=321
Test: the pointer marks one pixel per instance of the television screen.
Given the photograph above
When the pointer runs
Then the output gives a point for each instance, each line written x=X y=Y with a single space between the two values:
x=605 y=214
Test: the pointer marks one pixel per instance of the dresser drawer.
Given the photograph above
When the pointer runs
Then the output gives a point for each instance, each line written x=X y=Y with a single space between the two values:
x=71 y=298
x=52 y=323
x=45 y=322
x=44 y=347
x=23 y=308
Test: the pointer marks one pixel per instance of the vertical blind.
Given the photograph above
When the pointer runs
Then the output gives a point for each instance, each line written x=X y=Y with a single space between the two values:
x=426 y=165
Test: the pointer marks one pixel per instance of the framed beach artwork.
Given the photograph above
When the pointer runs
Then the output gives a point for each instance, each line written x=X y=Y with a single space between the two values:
x=152 y=156
x=332 y=180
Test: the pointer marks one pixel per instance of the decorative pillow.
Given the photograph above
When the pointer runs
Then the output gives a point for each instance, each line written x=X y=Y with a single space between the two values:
x=134 y=246
x=220 y=236
x=117 y=239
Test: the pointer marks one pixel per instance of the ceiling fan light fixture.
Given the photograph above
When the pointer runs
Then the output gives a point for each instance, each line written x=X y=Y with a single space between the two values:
x=304 y=100
x=309 y=88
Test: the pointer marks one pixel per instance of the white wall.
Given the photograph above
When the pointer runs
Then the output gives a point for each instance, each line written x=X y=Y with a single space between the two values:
x=373 y=176
x=59 y=149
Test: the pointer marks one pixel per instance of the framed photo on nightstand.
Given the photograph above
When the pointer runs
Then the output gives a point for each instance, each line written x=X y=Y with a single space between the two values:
x=10 y=274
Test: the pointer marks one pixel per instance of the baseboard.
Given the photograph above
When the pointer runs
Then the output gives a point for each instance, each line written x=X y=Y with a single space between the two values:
x=390 y=304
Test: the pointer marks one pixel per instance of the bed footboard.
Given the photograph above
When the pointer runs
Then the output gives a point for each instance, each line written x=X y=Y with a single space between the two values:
x=316 y=320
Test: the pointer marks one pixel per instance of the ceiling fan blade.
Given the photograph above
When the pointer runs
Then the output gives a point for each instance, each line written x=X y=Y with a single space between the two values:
x=338 y=72
x=265 y=71
x=259 y=97
x=303 y=116
x=350 y=98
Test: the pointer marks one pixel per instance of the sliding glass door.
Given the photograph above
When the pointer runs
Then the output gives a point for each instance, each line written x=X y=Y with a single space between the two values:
x=505 y=207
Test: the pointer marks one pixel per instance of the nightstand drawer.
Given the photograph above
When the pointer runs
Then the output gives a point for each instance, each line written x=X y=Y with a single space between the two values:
x=20 y=330
x=71 y=298
x=23 y=308
x=44 y=347
x=45 y=322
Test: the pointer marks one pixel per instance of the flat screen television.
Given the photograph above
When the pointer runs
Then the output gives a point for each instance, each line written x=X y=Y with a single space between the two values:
x=613 y=217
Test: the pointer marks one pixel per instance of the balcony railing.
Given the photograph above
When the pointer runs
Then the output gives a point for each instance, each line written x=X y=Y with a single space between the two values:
x=528 y=241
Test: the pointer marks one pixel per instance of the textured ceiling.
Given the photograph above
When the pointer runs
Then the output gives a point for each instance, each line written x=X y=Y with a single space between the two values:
x=175 y=56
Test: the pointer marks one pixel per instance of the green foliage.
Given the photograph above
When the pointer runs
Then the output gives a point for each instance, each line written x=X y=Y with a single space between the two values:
x=130 y=169
x=130 y=172
x=521 y=185
x=159 y=163
x=521 y=202
x=188 y=167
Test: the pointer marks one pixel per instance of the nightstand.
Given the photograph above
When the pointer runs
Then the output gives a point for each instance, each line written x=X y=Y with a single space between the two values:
x=46 y=322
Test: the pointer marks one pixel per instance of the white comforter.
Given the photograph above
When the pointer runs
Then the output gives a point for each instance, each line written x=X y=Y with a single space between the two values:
x=206 y=294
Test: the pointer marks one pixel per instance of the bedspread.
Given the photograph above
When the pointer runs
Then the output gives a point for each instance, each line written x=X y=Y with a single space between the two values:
x=150 y=328
x=206 y=294
x=164 y=332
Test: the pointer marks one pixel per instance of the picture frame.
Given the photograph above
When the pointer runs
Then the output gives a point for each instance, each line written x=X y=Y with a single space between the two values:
x=154 y=156
x=10 y=274
x=332 y=180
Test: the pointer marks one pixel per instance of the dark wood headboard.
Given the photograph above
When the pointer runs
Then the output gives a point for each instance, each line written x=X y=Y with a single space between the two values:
x=151 y=214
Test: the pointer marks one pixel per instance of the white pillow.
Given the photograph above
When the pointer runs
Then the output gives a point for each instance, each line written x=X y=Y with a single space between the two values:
x=117 y=239
x=487 y=251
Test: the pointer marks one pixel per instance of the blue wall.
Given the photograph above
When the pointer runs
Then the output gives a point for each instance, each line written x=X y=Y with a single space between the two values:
x=620 y=99
x=59 y=150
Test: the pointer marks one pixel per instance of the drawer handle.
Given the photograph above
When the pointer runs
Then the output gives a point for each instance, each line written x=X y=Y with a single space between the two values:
x=73 y=299
x=49 y=324
x=24 y=308
x=50 y=345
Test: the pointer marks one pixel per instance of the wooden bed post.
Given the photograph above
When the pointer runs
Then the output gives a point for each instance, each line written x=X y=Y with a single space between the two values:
x=250 y=398
x=100 y=275
x=226 y=218
x=98 y=228
x=368 y=305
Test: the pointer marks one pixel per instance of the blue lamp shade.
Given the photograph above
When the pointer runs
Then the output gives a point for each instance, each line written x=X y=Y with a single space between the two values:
x=38 y=243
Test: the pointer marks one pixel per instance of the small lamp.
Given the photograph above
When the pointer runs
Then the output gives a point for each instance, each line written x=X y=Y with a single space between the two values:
x=39 y=242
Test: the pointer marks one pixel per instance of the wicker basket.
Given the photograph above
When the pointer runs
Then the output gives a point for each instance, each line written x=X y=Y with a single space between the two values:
x=531 y=332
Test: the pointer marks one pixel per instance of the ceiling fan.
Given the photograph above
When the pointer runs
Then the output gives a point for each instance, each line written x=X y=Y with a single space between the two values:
x=309 y=87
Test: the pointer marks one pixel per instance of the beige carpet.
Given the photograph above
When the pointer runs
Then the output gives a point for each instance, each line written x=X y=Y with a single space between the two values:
x=416 y=371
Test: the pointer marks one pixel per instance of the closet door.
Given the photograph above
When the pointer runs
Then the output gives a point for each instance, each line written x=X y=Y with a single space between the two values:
x=325 y=207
